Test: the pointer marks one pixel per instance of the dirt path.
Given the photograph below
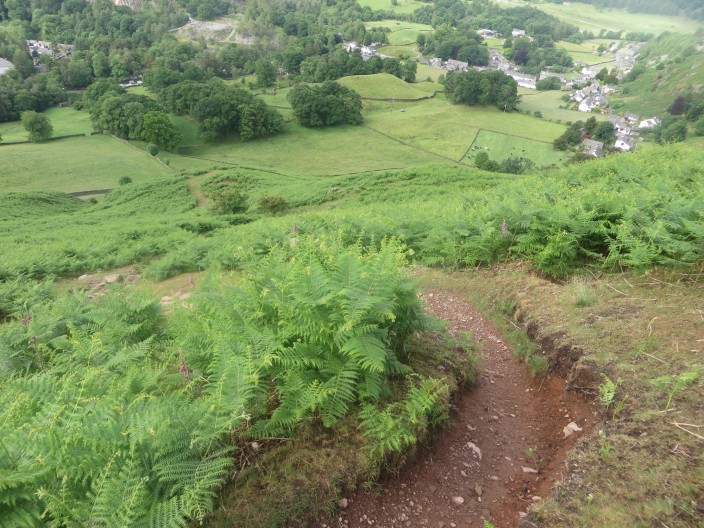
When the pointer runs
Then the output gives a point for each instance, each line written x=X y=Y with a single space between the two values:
x=515 y=422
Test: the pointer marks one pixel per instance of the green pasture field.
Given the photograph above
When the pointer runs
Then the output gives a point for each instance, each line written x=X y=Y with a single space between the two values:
x=383 y=86
x=75 y=164
x=402 y=7
x=500 y=146
x=424 y=71
x=66 y=122
x=275 y=97
x=140 y=90
x=448 y=130
x=405 y=36
x=585 y=52
x=401 y=32
x=548 y=102
x=494 y=43
x=407 y=50
x=588 y=17
x=318 y=152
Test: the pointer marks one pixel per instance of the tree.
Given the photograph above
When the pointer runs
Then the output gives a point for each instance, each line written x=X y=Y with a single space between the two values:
x=265 y=72
x=698 y=127
x=158 y=129
x=678 y=106
x=604 y=131
x=549 y=83
x=38 y=126
x=481 y=159
x=325 y=105
x=674 y=133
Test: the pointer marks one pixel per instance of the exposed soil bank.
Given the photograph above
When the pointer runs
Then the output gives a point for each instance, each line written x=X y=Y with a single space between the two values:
x=514 y=421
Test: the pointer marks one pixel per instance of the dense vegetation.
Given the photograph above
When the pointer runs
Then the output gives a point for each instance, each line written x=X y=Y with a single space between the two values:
x=324 y=105
x=482 y=87
x=111 y=420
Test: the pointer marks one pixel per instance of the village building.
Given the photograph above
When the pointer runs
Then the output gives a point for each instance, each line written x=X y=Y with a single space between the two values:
x=620 y=125
x=649 y=123
x=518 y=33
x=593 y=102
x=593 y=148
x=623 y=143
x=631 y=117
x=524 y=80
x=435 y=62
x=455 y=65
x=487 y=33
x=5 y=66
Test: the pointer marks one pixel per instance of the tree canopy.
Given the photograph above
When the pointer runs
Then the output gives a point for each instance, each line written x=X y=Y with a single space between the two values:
x=37 y=125
x=325 y=105
x=482 y=88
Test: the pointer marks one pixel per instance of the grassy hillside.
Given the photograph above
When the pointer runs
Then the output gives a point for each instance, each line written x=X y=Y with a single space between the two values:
x=589 y=18
x=387 y=86
x=66 y=122
x=184 y=375
x=671 y=66
x=75 y=164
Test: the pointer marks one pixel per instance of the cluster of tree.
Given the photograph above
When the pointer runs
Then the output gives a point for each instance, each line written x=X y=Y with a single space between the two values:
x=489 y=87
x=580 y=130
x=222 y=110
x=449 y=43
x=537 y=54
x=35 y=93
x=549 y=83
x=79 y=22
x=689 y=8
x=129 y=115
x=688 y=107
x=208 y=9
x=325 y=105
x=340 y=64
x=511 y=165
x=607 y=77
x=470 y=16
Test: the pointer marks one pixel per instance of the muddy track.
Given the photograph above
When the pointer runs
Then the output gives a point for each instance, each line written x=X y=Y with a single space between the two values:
x=503 y=451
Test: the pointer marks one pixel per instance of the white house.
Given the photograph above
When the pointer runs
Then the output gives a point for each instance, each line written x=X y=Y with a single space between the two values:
x=523 y=80
x=623 y=143
x=5 y=66
x=649 y=123
x=518 y=33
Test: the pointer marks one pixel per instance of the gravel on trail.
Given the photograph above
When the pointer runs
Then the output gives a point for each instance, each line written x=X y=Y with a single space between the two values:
x=503 y=450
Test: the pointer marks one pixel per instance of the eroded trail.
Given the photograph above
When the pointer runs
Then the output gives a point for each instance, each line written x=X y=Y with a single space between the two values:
x=504 y=449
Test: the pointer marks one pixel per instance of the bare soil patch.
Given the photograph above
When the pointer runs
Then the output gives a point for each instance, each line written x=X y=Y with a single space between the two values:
x=503 y=451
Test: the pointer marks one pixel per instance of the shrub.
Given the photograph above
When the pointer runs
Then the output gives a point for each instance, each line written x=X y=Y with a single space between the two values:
x=273 y=204
x=152 y=149
x=229 y=200
x=124 y=180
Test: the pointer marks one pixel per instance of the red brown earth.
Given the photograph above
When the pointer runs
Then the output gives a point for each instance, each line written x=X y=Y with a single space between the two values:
x=515 y=421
